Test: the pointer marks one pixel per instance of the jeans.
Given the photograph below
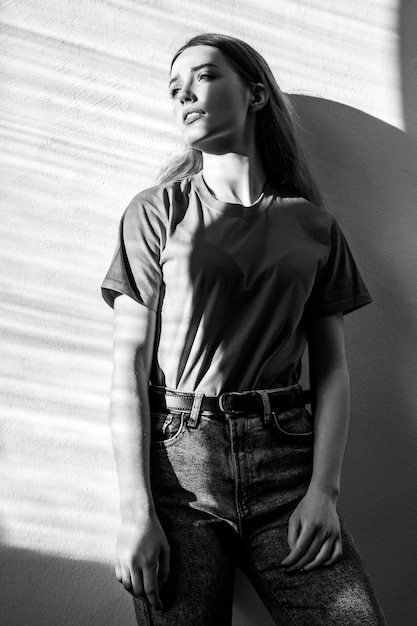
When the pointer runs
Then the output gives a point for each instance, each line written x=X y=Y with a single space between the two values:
x=224 y=488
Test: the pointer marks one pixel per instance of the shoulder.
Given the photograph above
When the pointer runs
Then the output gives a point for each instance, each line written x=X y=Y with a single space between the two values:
x=317 y=220
x=160 y=204
x=304 y=208
x=163 y=196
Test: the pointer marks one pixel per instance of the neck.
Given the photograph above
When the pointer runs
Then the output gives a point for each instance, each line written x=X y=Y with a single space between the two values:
x=234 y=178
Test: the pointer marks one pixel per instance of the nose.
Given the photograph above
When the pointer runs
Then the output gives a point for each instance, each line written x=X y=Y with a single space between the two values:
x=186 y=95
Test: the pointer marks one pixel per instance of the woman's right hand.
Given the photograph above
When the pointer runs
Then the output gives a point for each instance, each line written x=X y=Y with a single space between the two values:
x=142 y=558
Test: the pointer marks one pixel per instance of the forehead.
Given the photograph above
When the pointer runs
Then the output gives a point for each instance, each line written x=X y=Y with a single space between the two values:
x=198 y=55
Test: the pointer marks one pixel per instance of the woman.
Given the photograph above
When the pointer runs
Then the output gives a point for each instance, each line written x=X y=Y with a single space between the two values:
x=221 y=275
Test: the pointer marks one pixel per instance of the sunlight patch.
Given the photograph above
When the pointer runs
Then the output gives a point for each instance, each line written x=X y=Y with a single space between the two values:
x=355 y=600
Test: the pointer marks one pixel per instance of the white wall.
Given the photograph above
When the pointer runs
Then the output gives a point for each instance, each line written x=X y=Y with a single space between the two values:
x=85 y=124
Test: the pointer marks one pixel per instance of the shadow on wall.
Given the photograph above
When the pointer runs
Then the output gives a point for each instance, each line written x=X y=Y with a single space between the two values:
x=367 y=171
x=43 y=590
x=407 y=31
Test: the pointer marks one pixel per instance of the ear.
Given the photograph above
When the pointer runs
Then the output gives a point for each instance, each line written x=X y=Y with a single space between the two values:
x=259 y=97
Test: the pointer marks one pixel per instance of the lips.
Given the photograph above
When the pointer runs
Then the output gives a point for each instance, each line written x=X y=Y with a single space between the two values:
x=191 y=115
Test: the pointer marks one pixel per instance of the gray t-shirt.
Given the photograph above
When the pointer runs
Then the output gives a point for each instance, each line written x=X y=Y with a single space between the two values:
x=234 y=287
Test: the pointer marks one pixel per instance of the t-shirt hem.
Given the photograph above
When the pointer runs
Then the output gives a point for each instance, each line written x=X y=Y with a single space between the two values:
x=118 y=286
x=348 y=305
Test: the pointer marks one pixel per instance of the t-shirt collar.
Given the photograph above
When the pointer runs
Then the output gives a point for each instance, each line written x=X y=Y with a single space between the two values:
x=237 y=209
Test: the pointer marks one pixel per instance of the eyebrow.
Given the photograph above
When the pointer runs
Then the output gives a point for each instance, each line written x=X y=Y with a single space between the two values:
x=193 y=69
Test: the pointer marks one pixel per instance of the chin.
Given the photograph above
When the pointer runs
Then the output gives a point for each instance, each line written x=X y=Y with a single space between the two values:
x=208 y=145
x=193 y=140
x=196 y=145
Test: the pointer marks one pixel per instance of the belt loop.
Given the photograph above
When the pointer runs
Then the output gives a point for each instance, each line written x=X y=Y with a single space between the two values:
x=196 y=408
x=267 y=406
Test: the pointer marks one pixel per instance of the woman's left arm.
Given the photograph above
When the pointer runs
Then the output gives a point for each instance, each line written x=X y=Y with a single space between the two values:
x=314 y=528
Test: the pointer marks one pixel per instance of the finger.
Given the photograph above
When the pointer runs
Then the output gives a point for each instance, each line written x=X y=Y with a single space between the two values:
x=293 y=531
x=150 y=585
x=118 y=572
x=137 y=583
x=303 y=543
x=307 y=556
x=163 y=567
x=336 y=553
x=126 y=580
x=321 y=557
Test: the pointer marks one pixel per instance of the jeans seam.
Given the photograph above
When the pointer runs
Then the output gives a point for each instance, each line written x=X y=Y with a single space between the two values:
x=268 y=589
x=283 y=607
x=235 y=465
x=166 y=443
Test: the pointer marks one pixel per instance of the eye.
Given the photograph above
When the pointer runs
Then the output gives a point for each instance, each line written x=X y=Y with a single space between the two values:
x=204 y=76
x=174 y=91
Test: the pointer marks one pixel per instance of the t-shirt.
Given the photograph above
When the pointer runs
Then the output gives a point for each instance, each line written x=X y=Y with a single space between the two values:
x=234 y=287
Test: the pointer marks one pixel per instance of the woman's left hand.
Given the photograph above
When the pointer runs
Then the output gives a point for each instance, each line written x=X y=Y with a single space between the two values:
x=313 y=533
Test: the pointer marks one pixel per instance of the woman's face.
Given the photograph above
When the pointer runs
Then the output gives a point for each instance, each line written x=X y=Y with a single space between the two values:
x=211 y=103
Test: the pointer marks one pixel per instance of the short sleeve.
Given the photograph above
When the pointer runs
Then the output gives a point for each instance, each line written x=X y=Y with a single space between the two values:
x=339 y=286
x=135 y=268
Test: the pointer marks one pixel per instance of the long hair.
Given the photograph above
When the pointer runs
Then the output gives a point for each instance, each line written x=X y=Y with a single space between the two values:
x=276 y=127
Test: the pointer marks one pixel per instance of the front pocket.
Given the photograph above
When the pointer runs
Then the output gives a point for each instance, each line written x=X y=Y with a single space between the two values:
x=295 y=424
x=166 y=426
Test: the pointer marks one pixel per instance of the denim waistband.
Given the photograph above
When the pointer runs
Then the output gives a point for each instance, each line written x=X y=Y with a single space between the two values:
x=232 y=403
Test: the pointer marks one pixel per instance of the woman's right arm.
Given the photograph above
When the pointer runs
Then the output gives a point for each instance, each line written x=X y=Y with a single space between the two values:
x=142 y=551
